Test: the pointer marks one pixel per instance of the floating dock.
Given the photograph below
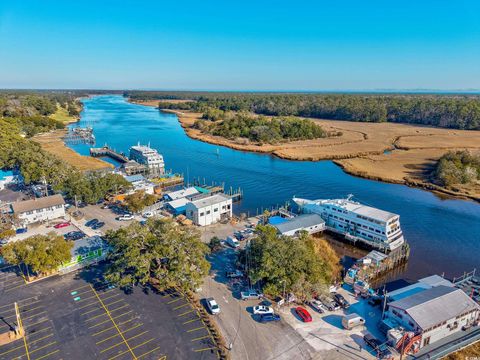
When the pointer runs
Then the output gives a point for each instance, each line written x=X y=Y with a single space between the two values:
x=109 y=152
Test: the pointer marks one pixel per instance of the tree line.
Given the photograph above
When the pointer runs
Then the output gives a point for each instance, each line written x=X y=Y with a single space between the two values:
x=457 y=167
x=259 y=129
x=448 y=111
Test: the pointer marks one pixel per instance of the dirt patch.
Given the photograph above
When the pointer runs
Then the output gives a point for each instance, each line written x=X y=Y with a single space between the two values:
x=154 y=103
x=52 y=142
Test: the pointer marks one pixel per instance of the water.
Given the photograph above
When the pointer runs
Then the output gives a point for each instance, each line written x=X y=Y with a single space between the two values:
x=444 y=234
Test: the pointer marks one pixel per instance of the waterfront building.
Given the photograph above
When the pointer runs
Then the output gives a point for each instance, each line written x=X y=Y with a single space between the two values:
x=145 y=155
x=377 y=228
x=182 y=193
x=39 y=209
x=311 y=223
x=177 y=206
x=139 y=183
x=131 y=167
x=209 y=209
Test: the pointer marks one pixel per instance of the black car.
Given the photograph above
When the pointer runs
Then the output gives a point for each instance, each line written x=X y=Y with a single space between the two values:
x=269 y=318
x=74 y=235
x=341 y=301
x=98 y=225
x=372 y=341
x=91 y=222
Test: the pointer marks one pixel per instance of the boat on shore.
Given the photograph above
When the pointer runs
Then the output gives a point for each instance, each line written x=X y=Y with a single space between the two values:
x=374 y=227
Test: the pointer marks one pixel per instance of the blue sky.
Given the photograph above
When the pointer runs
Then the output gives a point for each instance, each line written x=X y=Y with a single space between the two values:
x=240 y=45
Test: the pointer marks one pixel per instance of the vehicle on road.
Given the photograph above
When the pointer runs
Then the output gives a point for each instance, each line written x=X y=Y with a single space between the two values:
x=341 y=301
x=372 y=341
x=329 y=303
x=250 y=294
x=21 y=231
x=262 y=309
x=91 y=222
x=317 y=305
x=212 y=306
x=148 y=214
x=269 y=318
x=303 y=314
x=232 y=241
x=351 y=321
x=61 y=225
x=234 y=274
x=125 y=217
x=98 y=225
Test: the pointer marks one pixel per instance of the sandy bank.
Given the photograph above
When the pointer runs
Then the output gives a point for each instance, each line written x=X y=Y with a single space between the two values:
x=52 y=142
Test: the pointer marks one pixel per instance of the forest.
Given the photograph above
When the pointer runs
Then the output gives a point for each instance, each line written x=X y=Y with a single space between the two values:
x=457 y=167
x=447 y=111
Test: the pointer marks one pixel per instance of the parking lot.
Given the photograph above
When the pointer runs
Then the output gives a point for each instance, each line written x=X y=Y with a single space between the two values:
x=80 y=316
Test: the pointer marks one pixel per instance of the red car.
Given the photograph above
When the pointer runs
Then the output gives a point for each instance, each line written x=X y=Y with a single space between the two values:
x=62 y=225
x=304 y=314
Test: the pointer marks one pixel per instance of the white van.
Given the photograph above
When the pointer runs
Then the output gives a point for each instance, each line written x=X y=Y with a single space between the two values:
x=351 y=321
x=232 y=241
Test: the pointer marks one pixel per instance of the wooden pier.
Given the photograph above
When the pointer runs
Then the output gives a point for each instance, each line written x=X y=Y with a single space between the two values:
x=107 y=151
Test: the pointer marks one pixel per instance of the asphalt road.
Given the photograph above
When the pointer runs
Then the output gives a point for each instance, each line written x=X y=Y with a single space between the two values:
x=250 y=339
x=80 y=316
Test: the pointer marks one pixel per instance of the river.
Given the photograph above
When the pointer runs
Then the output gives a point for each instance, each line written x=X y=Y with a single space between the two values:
x=444 y=234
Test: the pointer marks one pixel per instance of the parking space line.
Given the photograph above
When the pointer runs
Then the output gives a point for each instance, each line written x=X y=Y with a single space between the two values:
x=50 y=353
x=90 y=311
x=121 y=343
x=190 y=321
x=40 y=322
x=120 y=307
x=38 y=331
x=149 y=352
x=15 y=287
x=200 y=338
x=98 y=333
x=205 y=349
x=111 y=337
x=32 y=316
x=114 y=295
x=174 y=300
x=43 y=347
x=20 y=324
x=3 y=306
x=192 y=330
x=111 y=318
x=135 y=347
x=8 y=351
x=113 y=321
x=186 y=312
x=84 y=306
x=37 y=340
x=180 y=306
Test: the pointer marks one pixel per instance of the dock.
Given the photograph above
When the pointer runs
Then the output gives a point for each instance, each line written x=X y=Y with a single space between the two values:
x=109 y=152
x=235 y=194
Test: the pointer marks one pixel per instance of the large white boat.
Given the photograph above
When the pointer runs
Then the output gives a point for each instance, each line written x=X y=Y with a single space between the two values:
x=377 y=228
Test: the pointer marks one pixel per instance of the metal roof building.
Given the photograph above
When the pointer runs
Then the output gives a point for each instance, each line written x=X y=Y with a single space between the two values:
x=308 y=222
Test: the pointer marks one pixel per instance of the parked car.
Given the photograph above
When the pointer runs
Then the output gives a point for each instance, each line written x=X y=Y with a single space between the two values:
x=98 y=225
x=250 y=294
x=317 y=305
x=351 y=321
x=232 y=241
x=329 y=303
x=269 y=318
x=62 y=225
x=74 y=235
x=212 y=306
x=234 y=274
x=125 y=217
x=372 y=341
x=341 y=300
x=21 y=230
x=91 y=222
x=262 y=309
x=147 y=214
x=303 y=314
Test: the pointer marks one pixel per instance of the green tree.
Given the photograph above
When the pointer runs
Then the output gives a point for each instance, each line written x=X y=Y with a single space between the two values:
x=302 y=265
x=44 y=254
x=163 y=251
x=137 y=201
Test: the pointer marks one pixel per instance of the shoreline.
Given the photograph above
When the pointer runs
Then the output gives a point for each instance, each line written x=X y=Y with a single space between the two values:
x=405 y=164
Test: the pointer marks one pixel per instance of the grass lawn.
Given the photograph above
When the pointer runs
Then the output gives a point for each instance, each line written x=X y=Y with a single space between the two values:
x=62 y=115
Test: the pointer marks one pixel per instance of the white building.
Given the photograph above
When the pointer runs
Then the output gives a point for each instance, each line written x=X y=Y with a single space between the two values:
x=433 y=314
x=139 y=183
x=39 y=209
x=209 y=210
x=311 y=223
x=145 y=155
x=378 y=228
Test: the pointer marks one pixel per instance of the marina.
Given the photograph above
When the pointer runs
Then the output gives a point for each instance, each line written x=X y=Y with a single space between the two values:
x=431 y=225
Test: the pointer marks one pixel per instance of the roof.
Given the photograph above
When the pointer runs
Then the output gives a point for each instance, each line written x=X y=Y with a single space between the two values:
x=5 y=174
x=408 y=291
x=37 y=203
x=182 y=193
x=134 y=178
x=87 y=244
x=436 y=305
x=178 y=203
x=376 y=256
x=435 y=280
x=299 y=222
x=210 y=200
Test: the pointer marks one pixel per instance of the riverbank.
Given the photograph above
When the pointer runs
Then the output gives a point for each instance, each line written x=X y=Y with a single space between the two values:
x=53 y=143
x=388 y=152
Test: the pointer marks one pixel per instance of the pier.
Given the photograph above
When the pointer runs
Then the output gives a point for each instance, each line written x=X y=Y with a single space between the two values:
x=235 y=194
x=109 y=152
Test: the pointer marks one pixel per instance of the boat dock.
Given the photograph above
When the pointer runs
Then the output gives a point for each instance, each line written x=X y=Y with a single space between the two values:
x=107 y=151
x=235 y=194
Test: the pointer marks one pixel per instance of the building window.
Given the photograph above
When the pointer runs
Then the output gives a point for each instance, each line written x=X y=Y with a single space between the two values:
x=201 y=214
x=215 y=210
x=208 y=212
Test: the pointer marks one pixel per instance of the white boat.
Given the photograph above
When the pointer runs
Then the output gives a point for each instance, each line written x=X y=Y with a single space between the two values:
x=377 y=228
